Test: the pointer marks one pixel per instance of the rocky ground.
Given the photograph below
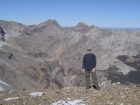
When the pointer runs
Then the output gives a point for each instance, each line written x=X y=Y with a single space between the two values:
x=114 y=94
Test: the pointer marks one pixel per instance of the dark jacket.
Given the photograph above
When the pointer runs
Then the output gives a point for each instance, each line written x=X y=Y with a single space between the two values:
x=89 y=61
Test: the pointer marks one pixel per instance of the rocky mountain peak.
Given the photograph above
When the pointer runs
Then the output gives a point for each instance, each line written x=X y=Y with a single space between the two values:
x=49 y=22
x=81 y=24
x=82 y=27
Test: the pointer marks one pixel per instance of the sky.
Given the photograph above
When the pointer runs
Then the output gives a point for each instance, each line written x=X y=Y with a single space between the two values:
x=101 y=13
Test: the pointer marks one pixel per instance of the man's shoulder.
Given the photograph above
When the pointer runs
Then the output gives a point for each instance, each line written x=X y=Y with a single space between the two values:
x=85 y=55
x=93 y=54
x=89 y=54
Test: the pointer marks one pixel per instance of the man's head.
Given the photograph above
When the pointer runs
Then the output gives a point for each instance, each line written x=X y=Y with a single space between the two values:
x=89 y=51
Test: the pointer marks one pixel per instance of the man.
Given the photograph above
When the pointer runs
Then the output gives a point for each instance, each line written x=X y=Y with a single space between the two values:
x=89 y=64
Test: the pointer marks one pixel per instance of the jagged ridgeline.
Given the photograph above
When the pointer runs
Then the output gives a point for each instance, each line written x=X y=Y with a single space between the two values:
x=49 y=55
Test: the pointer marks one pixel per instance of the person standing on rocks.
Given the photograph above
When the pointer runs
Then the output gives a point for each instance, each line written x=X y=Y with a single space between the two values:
x=89 y=64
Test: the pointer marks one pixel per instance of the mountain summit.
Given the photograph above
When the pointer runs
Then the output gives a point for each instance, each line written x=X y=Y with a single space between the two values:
x=49 y=23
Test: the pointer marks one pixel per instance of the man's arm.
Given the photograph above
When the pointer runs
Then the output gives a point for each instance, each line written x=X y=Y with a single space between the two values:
x=83 y=64
x=94 y=63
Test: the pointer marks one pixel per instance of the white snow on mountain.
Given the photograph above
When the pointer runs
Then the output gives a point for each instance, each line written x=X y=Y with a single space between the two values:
x=73 y=102
x=34 y=94
x=11 y=98
x=2 y=83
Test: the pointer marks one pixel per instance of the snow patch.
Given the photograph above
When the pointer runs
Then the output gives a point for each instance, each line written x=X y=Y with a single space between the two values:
x=34 y=94
x=24 y=56
x=11 y=98
x=2 y=43
x=18 y=48
x=1 y=88
x=74 y=102
x=4 y=83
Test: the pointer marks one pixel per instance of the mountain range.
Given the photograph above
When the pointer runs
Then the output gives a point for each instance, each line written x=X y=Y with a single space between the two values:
x=49 y=55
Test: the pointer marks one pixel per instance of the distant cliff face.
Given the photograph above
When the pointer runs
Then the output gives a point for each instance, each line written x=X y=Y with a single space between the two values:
x=48 y=55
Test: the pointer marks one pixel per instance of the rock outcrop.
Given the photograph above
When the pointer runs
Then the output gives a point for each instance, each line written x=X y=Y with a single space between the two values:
x=2 y=34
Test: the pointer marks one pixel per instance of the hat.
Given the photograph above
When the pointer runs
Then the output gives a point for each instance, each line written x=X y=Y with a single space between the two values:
x=89 y=49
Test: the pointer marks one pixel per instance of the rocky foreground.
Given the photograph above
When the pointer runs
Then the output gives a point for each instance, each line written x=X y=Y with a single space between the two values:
x=114 y=94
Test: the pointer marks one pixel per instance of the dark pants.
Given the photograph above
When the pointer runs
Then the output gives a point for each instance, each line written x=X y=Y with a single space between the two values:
x=94 y=79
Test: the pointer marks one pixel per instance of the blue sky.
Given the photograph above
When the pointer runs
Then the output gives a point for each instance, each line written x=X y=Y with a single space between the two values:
x=101 y=13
